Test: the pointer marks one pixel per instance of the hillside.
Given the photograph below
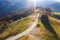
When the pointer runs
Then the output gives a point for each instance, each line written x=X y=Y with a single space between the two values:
x=55 y=24
x=56 y=15
x=41 y=33
x=46 y=29
x=18 y=26
x=55 y=6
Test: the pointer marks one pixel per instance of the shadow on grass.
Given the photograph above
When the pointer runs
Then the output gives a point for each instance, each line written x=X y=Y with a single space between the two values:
x=45 y=21
x=56 y=16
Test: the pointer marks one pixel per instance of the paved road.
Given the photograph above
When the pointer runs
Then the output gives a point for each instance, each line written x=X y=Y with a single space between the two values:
x=26 y=31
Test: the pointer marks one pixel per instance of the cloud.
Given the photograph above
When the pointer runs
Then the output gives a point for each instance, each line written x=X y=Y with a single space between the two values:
x=57 y=0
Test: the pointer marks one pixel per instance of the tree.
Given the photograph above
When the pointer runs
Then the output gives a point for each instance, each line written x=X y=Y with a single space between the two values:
x=48 y=11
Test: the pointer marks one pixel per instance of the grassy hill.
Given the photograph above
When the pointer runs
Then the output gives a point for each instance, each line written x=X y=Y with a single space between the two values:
x=42 y=33
x=16 y=27
x=55 y=24
x=56 y=15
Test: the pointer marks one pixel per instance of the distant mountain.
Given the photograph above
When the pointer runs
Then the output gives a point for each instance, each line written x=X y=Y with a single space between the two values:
x=10 y=6
x=55 y=6
x=17 y=15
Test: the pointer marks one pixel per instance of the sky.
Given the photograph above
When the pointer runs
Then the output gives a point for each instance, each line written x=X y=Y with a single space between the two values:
x=57 y=0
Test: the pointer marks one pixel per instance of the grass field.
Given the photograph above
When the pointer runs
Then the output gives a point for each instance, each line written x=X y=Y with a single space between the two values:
x=22 y=24
x=44 y=33
x=55 y=24
x=56 y=15
x=16 y=27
